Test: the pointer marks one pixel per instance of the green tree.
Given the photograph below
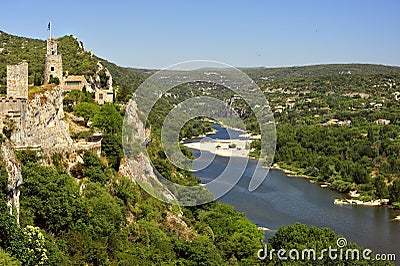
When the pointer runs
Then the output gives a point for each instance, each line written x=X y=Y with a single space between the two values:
x=6 y=259
x=75 y=97
x=86 y=110
x=359 y=174
x=111 y=146
x=49 y=198
x=301 y=237
x=381 y=189
x=54 y=80
x=109 y=119
x=95 y=169
x=394 y=191
x=36 y=245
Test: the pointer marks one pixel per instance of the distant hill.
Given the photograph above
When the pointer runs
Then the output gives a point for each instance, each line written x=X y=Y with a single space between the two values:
x=319 y=70
x=77 y=61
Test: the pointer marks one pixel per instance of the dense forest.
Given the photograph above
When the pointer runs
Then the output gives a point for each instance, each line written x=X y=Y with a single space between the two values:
x=91 y=215
x=342 y=128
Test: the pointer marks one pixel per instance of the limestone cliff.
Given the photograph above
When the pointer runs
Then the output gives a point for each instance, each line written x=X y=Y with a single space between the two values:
x=102 y=79
x=14 y=177
x=45 y=127
x=136 y=163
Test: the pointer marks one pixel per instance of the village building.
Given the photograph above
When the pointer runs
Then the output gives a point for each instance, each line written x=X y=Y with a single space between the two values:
x=104 y=96
x=72 y=82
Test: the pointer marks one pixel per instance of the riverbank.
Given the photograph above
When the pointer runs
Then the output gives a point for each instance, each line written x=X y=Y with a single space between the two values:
x=373 y=203
x=221 y=147
x=341 y=201
x=281 y=201
x=266 y=229
x=213 y=131
x=292 y=173
x=240 y=148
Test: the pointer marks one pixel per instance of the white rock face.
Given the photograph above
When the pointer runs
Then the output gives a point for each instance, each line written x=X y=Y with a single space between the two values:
x=95 y=81
x=45 y=126
x=80 y=43
x=14 y=177
x=136 y=164
x=104 y=92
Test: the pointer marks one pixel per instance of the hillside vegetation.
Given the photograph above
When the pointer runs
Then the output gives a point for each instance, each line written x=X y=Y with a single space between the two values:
x=340 y=124
x=76 y=61
x=92 y=215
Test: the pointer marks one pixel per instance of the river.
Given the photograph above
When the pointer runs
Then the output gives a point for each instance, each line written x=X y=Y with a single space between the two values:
x=283 y=200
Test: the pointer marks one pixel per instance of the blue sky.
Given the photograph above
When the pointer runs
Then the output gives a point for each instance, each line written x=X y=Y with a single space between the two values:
x=156 y=34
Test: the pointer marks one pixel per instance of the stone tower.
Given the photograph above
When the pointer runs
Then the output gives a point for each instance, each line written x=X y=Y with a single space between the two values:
x=17 y=81
x=53 y=64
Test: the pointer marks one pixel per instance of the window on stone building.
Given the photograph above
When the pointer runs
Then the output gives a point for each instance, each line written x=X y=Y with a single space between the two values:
x=101 y=96
x=52 y=68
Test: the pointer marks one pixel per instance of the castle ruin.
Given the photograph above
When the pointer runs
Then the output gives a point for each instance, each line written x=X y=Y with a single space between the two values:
x=13 y=107
x=37 y=121
x=17 y=81
x=53 y=64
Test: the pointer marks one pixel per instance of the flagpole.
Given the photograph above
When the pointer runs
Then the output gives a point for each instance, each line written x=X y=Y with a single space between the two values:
x=50 y=29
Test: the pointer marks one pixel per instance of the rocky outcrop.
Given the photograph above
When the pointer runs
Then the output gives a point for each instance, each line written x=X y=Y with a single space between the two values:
x=45 y=127
x=102 y=80
x=14 y=177
x=136 y=164
x=80 y=44
x=102 y=85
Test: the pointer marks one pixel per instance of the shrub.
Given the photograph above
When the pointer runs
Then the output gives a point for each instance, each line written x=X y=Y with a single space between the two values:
x=54 y=80
x=341 y=186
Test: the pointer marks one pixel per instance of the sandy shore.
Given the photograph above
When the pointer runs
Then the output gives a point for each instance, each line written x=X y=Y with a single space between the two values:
x=226 y=148
x=221 y=148
x=360 y=202
x=266 y=229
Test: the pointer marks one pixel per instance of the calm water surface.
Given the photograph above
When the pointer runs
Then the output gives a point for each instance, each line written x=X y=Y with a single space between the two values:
x=282 y=200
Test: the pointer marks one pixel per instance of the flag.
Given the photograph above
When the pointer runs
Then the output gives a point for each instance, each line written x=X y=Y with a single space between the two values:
x=48 y=26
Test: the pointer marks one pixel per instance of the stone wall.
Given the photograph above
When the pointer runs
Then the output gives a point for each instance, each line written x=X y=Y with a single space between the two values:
x=13 y=111
x=104 y=96
x=17 y=80
x=53 y=64
x=45 y=125
x=51 y=47
x=94 y=147
x=53 y=68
